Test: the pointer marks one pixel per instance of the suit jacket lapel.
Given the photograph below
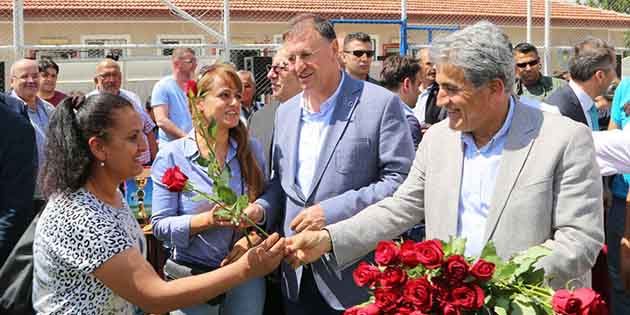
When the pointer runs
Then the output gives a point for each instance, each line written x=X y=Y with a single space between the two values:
x=291 y=127
x=517 y=147
x=347 y=101
x=452 y=178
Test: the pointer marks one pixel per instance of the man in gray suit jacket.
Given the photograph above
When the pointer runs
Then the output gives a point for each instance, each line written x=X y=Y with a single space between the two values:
x=494 y=170
x=339 y=146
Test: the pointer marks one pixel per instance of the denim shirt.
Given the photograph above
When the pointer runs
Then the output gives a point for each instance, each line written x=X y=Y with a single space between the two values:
x=173 y=211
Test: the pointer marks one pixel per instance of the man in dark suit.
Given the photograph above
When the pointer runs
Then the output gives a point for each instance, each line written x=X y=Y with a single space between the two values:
x=17 y=173
x=592 y=68
x=339 y=146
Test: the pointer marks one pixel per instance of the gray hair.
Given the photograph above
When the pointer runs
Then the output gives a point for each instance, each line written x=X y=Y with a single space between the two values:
x=303 y=21
x=482 y=51
x=589 y=56
x=249 y=74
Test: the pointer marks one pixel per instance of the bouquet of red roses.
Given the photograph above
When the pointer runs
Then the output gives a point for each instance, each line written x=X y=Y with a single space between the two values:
x=434 y=277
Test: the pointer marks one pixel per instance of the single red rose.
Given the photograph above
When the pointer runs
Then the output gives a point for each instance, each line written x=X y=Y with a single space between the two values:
x=386 y=253
x=469 y=296
x=174 y=179
x=392 y=277
x=430 y=253
x=191 y=88
x=370 y=309
x=409 y=254
x=456 y=270
x=419 y=293
x=591 y=302
x=483 y=270
x=366 y=274
x=450 y=309
x=386 y=300
x=565 y=303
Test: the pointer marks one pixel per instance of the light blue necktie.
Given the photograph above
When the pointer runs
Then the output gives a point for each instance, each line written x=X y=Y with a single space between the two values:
x=594 y=118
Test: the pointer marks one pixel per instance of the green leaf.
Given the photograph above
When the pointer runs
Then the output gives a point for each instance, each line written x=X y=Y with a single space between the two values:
x=417 y=272
x=533 y=253
x=505 y=271
x=226 y=194
x=522 y=305
x=459 y=246
x=212 y=129
x=223 y=214
x=225 y=174
x=488 y=250
x=536 y=277
x=500 y=310
x=242 y=202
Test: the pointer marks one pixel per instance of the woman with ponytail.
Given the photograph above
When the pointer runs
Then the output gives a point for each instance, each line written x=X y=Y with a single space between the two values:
x=200 y=241
x=88 y=249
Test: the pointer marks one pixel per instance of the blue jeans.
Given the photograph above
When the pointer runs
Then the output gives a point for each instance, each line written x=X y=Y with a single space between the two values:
x=248 y=298
x=619 y=300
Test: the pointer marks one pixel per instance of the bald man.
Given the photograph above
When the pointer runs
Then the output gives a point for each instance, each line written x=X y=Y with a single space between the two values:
x=25 y=84
x=108 y=79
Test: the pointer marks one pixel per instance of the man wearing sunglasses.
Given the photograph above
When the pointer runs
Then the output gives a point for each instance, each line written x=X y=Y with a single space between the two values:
x=530 y=82
x=357 y=56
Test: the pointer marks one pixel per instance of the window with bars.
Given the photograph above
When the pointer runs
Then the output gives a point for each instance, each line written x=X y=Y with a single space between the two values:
x=175 y=40
x=103 y=52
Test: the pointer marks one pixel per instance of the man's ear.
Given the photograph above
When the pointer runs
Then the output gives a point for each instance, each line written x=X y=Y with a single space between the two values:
x=496 y=86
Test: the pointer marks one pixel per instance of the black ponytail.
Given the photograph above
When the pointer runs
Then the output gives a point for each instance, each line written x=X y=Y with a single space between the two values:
x=74 y=122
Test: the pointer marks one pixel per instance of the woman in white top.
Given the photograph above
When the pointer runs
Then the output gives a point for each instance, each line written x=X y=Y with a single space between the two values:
x=88 y=248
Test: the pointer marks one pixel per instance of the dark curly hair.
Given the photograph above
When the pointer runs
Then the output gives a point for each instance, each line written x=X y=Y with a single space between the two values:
x=74 y=122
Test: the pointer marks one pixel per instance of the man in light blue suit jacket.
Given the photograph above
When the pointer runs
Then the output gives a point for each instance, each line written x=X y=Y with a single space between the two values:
x=339 y=146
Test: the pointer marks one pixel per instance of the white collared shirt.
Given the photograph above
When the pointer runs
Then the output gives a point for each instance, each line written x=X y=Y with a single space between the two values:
x=421 y=104
x=612 y=151
x=585 y=100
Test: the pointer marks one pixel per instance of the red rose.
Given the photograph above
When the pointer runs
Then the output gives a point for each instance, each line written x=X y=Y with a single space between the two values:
x=441 y=291
x=386 y=300
x=392 y=277
x=419 y=293
x=582 y=301
x=456 y=270
x=191 y=88
x=370 y=309
x=386 y=253
x=174 y=179
x=450 y=309
x=430 y=253
x=402 y=310
x=565 y=303
x=351 y=311
x=365 y=274
x=483 y=270
x=408 y=254
x=469 y=297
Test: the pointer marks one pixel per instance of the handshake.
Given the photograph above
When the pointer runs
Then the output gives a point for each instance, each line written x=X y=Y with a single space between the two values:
x=308 y=245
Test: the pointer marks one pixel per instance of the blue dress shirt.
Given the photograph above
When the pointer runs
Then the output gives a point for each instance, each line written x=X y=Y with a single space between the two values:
x=173 y=211
x=481 y=167
x=311 y=134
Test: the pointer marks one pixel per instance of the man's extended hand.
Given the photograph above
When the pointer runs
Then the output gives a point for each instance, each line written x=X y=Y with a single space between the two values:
x=624 y=263
x=307 y=247
x=312 y=218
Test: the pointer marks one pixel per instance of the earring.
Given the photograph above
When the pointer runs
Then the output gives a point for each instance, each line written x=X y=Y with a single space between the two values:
x=101 y=164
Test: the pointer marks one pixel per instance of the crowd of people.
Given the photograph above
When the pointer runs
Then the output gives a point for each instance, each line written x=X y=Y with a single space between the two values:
x=470 y=140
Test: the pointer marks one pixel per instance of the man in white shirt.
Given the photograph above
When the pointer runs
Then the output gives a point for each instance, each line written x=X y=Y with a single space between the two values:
x=108 y=79
x=426 y=109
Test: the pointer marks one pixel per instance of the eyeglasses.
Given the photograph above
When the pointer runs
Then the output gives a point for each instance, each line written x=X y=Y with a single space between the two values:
x=108 y=75
x=360 y=53
x=278 y=67
x=530 y=63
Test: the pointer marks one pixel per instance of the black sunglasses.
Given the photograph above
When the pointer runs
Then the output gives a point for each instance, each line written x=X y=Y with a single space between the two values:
x=360 y=53
x=531 y=63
